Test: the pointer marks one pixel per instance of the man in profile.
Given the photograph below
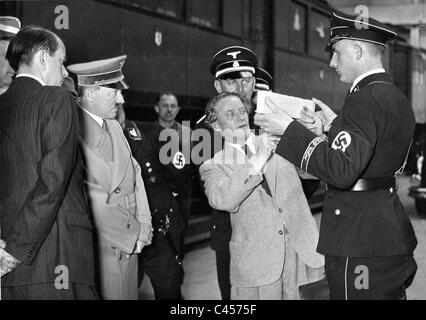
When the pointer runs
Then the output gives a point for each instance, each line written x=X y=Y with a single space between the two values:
x=115 y=190
x=44 y=217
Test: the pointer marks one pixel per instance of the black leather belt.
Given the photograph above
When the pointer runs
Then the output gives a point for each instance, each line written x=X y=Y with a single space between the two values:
x=369 y=184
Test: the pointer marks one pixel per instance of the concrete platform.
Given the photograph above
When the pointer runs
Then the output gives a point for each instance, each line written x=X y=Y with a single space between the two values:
x=200 y=281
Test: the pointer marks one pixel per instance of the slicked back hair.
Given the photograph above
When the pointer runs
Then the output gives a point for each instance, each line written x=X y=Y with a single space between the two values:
x=27 y=42
x=211 y=112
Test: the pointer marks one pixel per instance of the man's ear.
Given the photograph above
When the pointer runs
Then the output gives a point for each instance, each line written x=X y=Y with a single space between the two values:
x=41 y=58
x=358 y=51
x=90 y=93
x=217 y=86
x=215 y=127
x=157 y=109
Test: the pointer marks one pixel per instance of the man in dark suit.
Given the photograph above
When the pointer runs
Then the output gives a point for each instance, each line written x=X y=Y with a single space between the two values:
x=44 y=217
x=366 y=235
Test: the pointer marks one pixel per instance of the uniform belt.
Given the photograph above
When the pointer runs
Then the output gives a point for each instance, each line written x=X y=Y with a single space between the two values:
x=369 y=184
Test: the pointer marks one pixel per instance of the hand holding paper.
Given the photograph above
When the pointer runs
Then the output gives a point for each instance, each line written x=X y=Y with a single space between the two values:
x=275 y=121
x=312 y=121
x=327 y=114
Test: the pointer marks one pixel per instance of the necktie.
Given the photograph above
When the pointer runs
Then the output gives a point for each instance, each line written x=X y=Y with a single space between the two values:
x=249 y=154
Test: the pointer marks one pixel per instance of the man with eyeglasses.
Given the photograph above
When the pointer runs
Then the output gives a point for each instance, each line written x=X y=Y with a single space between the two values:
x=233 y=69
x=274 y=235
x=116 y=193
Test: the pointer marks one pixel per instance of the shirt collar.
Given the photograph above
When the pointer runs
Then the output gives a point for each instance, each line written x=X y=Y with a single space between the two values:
x=365 y=75
x=249 y=142
x=32 y=77
x=98 y=119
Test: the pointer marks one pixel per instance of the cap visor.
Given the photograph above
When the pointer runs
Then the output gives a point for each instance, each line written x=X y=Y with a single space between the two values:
x=119 y=85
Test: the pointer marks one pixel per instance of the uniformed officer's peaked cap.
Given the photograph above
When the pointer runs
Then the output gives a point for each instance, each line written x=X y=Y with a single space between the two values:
x=9 y=26
x=263 y=80
x=344 y=26
x=100 y=73
x=233 y=62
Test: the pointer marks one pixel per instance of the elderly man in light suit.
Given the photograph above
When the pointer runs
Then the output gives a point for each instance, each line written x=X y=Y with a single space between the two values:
x=274 y=236
x=115 y=189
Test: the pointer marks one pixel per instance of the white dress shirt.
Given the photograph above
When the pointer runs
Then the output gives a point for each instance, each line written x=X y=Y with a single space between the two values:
x=32 y=77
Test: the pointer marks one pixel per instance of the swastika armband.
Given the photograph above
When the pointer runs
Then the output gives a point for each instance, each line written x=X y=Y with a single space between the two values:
x=179 y=160
x=342 y=141
x=308 y=152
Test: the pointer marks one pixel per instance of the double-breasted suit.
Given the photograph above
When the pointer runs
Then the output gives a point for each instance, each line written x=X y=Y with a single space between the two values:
x=44 y=216
x=262 y=223
x=118 y=202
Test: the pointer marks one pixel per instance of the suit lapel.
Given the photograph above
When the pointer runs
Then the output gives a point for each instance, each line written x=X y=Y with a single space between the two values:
x=232 y=157
x=121 y=153
x=271 y=175
x=96 y=157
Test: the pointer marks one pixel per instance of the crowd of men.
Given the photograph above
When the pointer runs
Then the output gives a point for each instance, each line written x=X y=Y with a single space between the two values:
x=92 y=193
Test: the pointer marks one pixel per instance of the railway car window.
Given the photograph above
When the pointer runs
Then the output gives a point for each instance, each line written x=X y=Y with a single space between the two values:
x=205 y=13
x=232 y=17
x=171 y=8
x=290 y=25
x=319 y=30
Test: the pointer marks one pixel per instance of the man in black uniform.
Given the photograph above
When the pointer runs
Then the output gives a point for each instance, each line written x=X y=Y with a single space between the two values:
x=172 y=144
x=366 y=236
x=233 y=69
x=160 y=261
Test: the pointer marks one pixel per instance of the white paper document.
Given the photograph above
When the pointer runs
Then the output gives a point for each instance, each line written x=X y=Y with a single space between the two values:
x=293 y=106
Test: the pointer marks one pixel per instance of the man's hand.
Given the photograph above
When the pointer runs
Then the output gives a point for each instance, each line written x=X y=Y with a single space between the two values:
x=276 y=122
x=326 y=113
x=138 y=247
x=264 y=148
x=312 y=121
x=7 y=262
x=146 y=234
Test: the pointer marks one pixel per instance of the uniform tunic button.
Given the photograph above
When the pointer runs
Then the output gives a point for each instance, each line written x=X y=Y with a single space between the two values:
x=128 y=226
x=280 y=210
x=280 y=232
x=391 y=190
x=337 y=212
x=118 y=190
x=148 y=164
x=150 y=170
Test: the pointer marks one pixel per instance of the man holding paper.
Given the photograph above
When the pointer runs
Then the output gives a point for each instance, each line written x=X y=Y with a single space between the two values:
x=365 y=233
x=273 y=232
x=233 y=69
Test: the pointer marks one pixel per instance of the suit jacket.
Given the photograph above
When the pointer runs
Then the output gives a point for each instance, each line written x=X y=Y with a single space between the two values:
x=369 y=139
x=116 y=193
x=44 y=217
x=257 y=244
